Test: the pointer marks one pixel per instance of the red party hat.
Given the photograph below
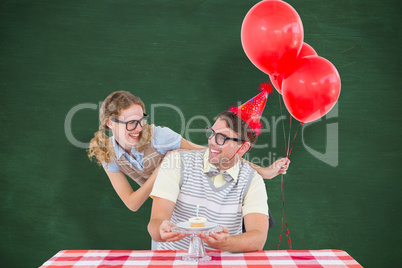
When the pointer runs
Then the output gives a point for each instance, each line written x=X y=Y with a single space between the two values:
x=250 y=111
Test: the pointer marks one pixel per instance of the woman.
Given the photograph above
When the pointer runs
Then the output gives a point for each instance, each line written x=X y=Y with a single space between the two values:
x=137 y=149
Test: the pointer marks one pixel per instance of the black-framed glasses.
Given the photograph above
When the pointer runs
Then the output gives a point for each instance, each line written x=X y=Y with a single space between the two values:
x=219 y=137
x=132 y=124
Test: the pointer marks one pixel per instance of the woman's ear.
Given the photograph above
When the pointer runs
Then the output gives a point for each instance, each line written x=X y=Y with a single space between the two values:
x=109 y=124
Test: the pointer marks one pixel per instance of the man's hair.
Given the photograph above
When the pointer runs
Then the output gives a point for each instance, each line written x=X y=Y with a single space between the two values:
x=236 y=124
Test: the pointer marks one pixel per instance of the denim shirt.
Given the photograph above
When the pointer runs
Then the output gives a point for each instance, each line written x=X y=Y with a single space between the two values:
x=164 y=139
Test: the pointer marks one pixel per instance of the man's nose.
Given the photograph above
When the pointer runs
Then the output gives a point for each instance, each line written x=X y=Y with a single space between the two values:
x=212 y=141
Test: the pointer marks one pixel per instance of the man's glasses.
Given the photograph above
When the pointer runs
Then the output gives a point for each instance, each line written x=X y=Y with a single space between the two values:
x=132 y=124
x=219 y=137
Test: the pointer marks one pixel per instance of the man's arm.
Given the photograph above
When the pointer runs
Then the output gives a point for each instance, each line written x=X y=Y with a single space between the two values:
x=159 y=226
x=252 y=240
x=164 y=193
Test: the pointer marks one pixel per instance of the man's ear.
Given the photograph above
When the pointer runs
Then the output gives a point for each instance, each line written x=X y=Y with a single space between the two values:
x=244 y=148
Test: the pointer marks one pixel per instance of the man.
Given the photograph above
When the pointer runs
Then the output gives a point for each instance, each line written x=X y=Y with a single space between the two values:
x=189 y=178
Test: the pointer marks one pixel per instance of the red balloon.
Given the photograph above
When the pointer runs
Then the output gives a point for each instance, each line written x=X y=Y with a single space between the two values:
x=276 y=81
x=272 y=35
x=312 y=90
x=305 y=51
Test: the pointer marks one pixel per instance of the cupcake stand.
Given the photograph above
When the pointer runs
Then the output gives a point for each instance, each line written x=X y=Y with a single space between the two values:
x=196 y=251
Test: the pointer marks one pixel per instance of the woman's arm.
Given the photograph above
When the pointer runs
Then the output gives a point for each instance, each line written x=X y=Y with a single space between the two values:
x=187 y=145
x=280 y=166
x=132 y=199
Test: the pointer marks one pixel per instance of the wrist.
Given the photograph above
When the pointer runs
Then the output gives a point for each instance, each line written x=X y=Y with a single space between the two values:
x=269 y=173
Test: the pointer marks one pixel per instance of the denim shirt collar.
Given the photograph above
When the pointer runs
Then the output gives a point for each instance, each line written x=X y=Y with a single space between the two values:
x=119 y=151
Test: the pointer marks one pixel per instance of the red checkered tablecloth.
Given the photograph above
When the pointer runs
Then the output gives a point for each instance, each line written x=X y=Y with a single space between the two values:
x=148 y=258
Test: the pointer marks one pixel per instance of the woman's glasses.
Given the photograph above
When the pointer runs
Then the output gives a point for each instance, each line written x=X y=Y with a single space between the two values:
x=132 y=124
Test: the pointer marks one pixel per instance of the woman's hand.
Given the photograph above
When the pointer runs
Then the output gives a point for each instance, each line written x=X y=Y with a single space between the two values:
x=280 y=166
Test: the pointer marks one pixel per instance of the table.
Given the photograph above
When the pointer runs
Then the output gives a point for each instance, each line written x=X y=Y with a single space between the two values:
x=148 y=258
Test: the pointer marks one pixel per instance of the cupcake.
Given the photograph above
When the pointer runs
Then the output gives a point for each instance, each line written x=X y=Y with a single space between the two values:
x=197 y=222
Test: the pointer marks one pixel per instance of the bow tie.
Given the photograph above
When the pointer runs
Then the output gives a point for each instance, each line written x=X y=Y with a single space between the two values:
x=213 y=172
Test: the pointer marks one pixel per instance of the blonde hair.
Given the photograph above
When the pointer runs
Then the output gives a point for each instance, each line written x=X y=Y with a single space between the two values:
x=100 y=146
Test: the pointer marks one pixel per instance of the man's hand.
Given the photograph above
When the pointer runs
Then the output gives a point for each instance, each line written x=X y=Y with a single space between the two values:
x=166 y=233
x=216 y=240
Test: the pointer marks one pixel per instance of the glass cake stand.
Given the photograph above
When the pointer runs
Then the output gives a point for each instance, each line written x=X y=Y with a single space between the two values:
x=196 y=251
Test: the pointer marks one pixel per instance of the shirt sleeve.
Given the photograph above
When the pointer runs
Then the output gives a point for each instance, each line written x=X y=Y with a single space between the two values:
x=112 y=167
x=167 y=182
x=165 y=140
x=256 y=199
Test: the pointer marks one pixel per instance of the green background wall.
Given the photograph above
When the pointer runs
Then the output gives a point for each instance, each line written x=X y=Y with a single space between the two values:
x=57 y=56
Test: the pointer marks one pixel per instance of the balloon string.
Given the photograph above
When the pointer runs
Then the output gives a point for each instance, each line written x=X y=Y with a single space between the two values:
x=283 y=212
x=290 y=130
x=286 y=149
x=287 y=232
x=283 y=189
x=289 y=151
x=283 y=124
x=284 y=217
x=293 y=142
